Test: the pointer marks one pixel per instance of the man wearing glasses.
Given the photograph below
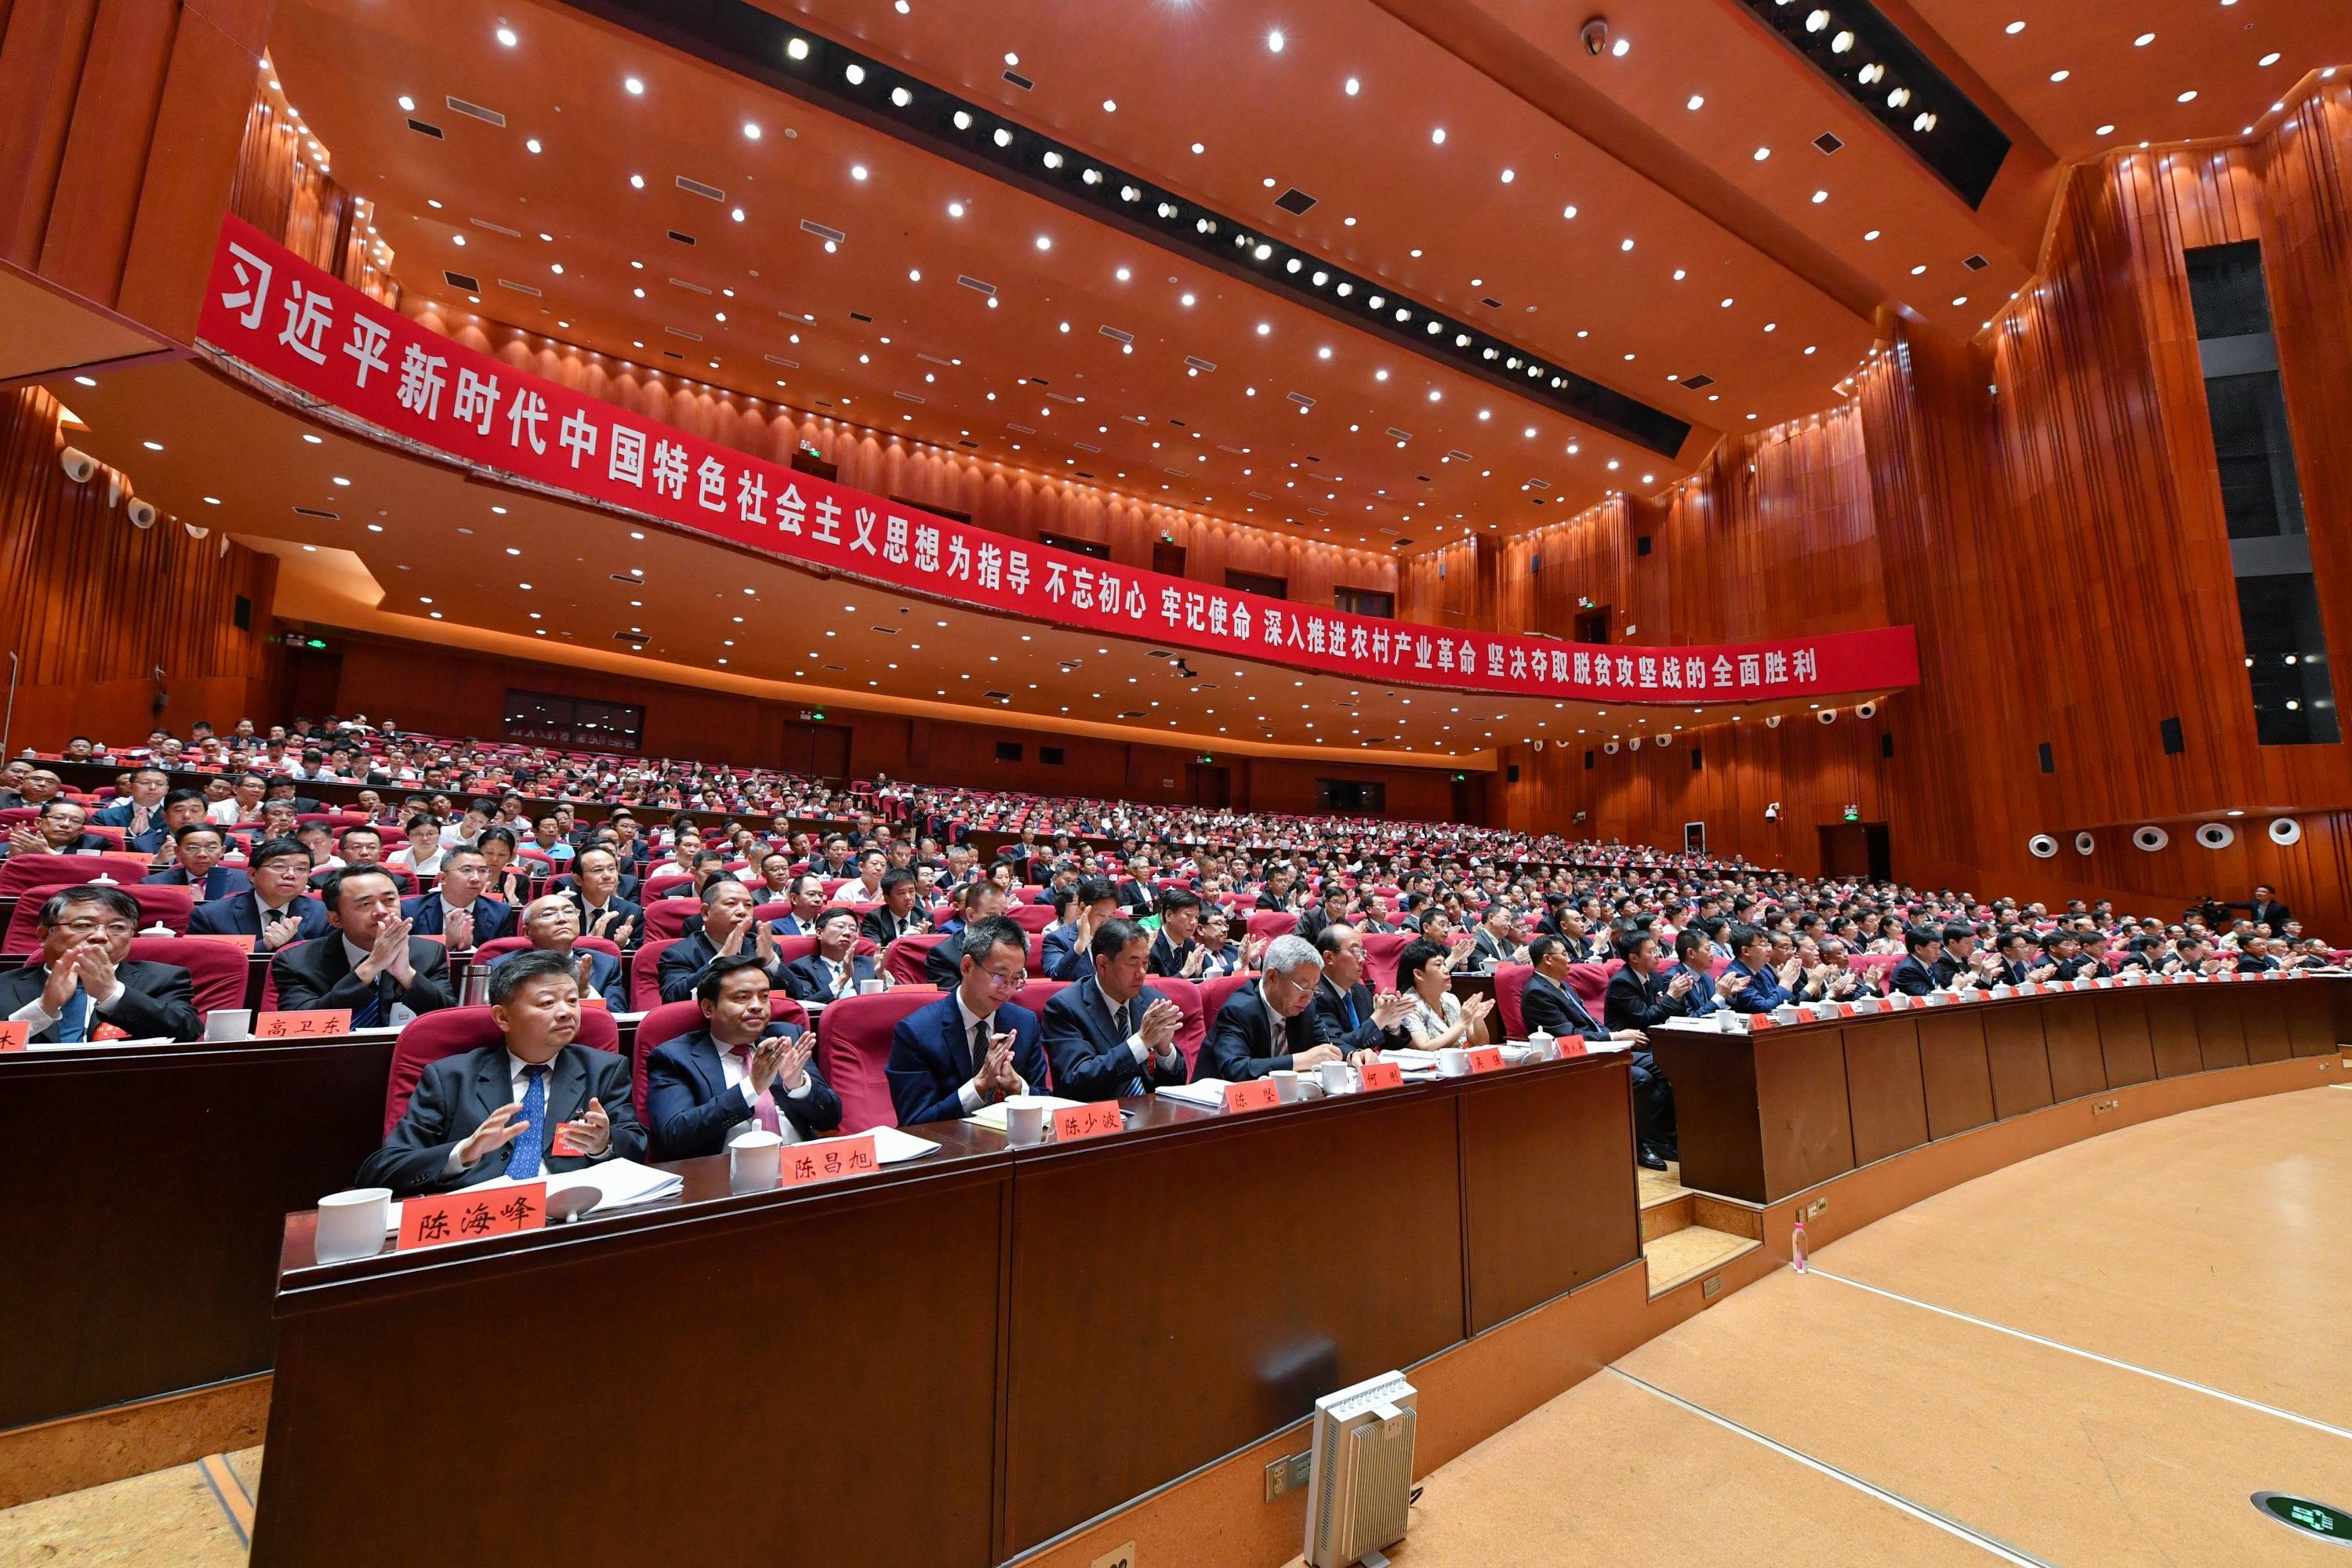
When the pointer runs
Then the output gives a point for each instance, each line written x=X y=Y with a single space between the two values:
x=974 y=1044
x=83 y=985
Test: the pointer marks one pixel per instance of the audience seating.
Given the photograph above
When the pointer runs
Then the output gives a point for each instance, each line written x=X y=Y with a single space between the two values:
x=1272 y=923
x=22 y=874
x=159 y=903
x=217 y=970
x=1383 y=950
x=1510 y=980
x=453 y=1030
x=490 y=952
x=672 y=1019
x=903 y=959
x=853 y=1047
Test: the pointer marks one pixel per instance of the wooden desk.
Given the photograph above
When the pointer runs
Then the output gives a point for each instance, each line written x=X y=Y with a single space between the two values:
x=1767 y=1115
x=943 y=1363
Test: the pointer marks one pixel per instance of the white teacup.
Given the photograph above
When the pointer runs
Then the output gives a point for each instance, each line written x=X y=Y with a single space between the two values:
x=868 y=987
x=1786 y=1014
x=1333 y=1076
x=1025 y=1119
x=352 y=1224
x=1541 y=1046
x=1285 y=1084
x=229 y=1024
x=1728 y=1020
x=1454 y=1061
x=755 y=1162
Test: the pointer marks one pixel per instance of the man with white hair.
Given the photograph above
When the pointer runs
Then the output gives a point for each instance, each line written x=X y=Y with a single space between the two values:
x=1271 y=1026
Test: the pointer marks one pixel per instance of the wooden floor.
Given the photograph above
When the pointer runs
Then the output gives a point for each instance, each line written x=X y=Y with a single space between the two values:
x=2093 y=1357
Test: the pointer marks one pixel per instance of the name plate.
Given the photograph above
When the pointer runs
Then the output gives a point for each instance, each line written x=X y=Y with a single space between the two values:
x=237 y=940
x=1257 y=1094
x=469 y=1216
x=317 y=1023
x=1087 y=1121
x=829 y=1160
x=1388 y=1075
x=15 y=1035
x=1485 y=1059
x=1757 y=1021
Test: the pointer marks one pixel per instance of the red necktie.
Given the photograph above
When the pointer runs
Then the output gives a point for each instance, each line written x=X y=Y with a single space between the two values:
x=763 y=1108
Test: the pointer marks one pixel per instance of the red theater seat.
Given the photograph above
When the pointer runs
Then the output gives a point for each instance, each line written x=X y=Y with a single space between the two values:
x=1591 y=983
x=852 y=1048
x=1213 y=994
x=1510 y=980
x=1271 y=924
x=216 y=969
x=671 y=1019
x=903 y=961
x=1382 y=952
x=26 y=873
x=159 y=903
x=1031 y=917
x=665 y=918
x=455 y=1029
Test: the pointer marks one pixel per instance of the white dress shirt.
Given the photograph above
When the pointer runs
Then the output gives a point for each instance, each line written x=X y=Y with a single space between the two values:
x=1135 y=1034
x=738 y=1074
x=968 y=1096
x=40 y=1018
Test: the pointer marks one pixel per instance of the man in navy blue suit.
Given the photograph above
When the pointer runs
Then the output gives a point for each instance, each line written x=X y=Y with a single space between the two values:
x=57 y=830
x=275 y=910
x=836 y=969
x=459 y=913
x=740 y=1070
x=140 y=814
x=1918 y=975
x=1750 y=983
x=1114 y=1035
x=596 y=892
x=199 y=846
x=1067 y=950
x=552 y=922
x=974 y=1044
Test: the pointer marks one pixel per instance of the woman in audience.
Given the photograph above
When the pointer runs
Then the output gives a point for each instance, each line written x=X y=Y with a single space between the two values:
x=509 y=883
x=1439 y=1018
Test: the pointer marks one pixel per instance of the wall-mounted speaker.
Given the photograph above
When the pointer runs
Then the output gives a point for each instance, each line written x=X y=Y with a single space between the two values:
x=1773 y=721
x=1866 y=710
x=2085 y=842
x=2285 y=830
x=1827 y=715
x=2216 y=834
x=2042 y=847
x=1667 y=740
x=2151 y=838
x=1635 y=742
x=1611 y=747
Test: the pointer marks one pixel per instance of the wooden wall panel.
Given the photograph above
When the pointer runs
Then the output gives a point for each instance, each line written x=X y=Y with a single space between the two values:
x=96 y=606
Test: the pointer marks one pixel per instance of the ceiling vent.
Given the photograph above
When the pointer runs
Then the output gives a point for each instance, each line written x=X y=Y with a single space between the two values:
x=1176 y=473
x=696 y=188
x=1063 y=398
x=1457 y=456
x=476 y=112
x=861 y=316
x=497 y=228
x=314 y=511
x=1020 y=429
x=907 y=397
x=519 y=287
x=1023 y=82
x=1976 y=264
x=1259 y=495
x=998 y=696
x=1086 y=446
x=1396 y=435
x=682 y=333
x=1539 y=484
x=970 y=445
x=1491 y=303
x=423 y=128
x=1301 y=399
x=933 y=359
x=1827 y=142
x=471 y=285
x=885 y=631
x=1198 y=364
x=696 y=287
x=635 y=639
x=630 y=578
x=989 y=288
x=810 y=226
x=778 y=359
x=1115 y=332
x=836 y=668
x=1698 y=382
x=1294 y=201
x=1134 y=713
x=682 y=238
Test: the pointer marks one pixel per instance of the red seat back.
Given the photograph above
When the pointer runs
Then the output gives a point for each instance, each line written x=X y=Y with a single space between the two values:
x=450 y=1030
x=1031 y=917
x=1271 y=924
x=217 y=969
x=1510 y=981
x=660 y=883
x=1590 y=983
x=665 y=918
x=1214 y=991
x=903 y=961
x=852 y=1048
x=671 y=1019
x=1194 y=1029
x=644 y=977
x=159 y=902
x=22 y=874
x=1382 y=952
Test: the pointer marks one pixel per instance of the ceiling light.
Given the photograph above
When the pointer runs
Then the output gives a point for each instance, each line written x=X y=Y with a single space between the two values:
x=1186 y=300
x=1869 y=236
x=407 y=102
x=1619 y=49
x=2014 y=28
x=738 y=215
x=2187 y=97
x=1273 y=40
x=1264 y=327
x=1695 y=102
x=854 y=73
x=637 y=89
x=636 y=182
x=857 y=171
x=1508 y=176
x=1003 y=137
x=751 y=131
x=1842 y=43
x=1045 y=243
x=2269 y=59
x=1110 y=106
x=1625 y=245
x=1438 y=135
x=1352 y=87
x=2060 y=76
x=2143 y=40
x=2105 y=131
x=314 y=440
x=1820 y=197
x=85 y=381
x=955 y=209
x=507 y=36
x=152 y=445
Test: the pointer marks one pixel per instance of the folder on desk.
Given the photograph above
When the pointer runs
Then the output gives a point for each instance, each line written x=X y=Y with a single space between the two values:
x=993 y=1116
x=1207 y=1092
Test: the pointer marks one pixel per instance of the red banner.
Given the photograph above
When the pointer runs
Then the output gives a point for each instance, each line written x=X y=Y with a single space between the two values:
x=269 y=310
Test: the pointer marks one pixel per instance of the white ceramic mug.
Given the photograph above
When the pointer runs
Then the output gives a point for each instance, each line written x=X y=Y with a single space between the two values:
x=1454 y=1061
x=1025 y=1119
x=1285 y=1084
x=1541 y=1046
x=755 y=1162
x=229 y=1024
x=352 y=1224
x=1333 y=1077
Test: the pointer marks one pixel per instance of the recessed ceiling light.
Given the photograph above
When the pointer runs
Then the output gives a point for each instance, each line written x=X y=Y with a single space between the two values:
x=1919 y=269
x=1820 y=197
x=1110 y=106
x=2060 y=76
x=1762 y=154
x=1695 y=102
x=1619 y=49
x=1273 y=40
x=1186 y=299
x=507 y=36
x=2143 y=40
x=407 y=102
x=2187 y=97
x=2269 y=59
x=2105 y=131
x=1353 y=87
x=1869 y=236
x=636 y=182
x=955 y=209
x=1044 y=242
x=797 y=48
x=1625 y=245
x=314 y=440
x=752 y=129
x=1438 y=135
x=2014 y=28
x=637 y=89
x=857 y=171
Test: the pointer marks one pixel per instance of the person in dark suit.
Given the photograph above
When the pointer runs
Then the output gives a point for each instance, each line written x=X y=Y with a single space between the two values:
x=974 y=1044
x=1330 y=911
x=1271 y=1026
x=730 y=924
x=1275 y=895
x=552 y=922
x=742 y=1070
x=2062 y=952
x=1496 y=940
x=2264 y=909
x=1750 y=982
x=836 y=969
x=596 y=892
x=56 y=830
x=461 y=912
x=2015 y=952
x=273 y=911
x=1113 y=1034
x=942 y=961
x=1348 y=1012
x=1173 y=951
x=804 y=895
x=1133 y=891
x=140 y=814
x=1551 y=1004
x=82 y=984
x=1959 y=958
x=199 y=846
x=537 y=1105
x=897 y=916
x=1084 y=905
x=1221 y=955
x=1917 y=974
x=1639 y=997
x=374 y=962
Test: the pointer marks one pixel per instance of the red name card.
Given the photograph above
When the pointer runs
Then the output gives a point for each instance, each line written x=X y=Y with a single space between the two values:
x=829 y=1160
x=15 y=1035
x=237 y=940
x=1848 y=1010
x=1485 y=1059
x=1760 y=1021
x=1257 y=1094
x=470 y=1215
x=1087 y=1121
x=1382 y=1075
x=316 y=1023
x=1570 y=1045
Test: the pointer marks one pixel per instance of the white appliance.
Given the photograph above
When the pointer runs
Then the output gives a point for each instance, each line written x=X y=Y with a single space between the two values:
x=1360 y=1475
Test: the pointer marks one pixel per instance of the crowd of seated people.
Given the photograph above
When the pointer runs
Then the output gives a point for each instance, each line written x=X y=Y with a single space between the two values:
x=363 y=906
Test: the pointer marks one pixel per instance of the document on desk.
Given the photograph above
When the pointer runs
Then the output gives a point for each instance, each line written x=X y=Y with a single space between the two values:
x=993 y=1116
x=890 y=1145
x=1206 y=1092
x=619 y=1183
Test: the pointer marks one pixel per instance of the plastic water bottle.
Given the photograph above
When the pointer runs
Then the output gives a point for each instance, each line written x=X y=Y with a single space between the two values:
x=1797 y=1249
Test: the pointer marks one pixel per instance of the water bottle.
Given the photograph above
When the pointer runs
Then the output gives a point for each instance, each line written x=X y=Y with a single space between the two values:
x=1797 y=1245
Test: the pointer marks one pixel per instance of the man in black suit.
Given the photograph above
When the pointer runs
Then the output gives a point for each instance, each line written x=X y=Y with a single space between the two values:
x=198 y=848
x=2265 y=910
x=83 y=985
x=836 y=969
x=140 y=814
x=275 y=910
x=803 y=897
x=1917 y=974
x=1551 y=1004
x=603 y=909
x=1134 y=890
x=1083 y=906
x=1497 y=942
x=1331 y=910
x=974 y=1044
x=897 y=916
x=730 y=924
x=1271 y=1026
x=742 y=1070
x=1114 y=1035
x=57 y=830
x=459 y=912
x=373 y=962
x=535 y=1106
x=1640 y=998
x=1348 y=1012
x=1173 y=951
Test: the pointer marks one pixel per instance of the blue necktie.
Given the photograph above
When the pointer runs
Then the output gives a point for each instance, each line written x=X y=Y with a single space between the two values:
x=1348 y=999
x=73 y=1024
x=370 y=1013
x=522 y=1154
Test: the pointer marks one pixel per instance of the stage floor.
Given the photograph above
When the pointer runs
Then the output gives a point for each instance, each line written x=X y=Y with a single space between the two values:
x=2093 y=1357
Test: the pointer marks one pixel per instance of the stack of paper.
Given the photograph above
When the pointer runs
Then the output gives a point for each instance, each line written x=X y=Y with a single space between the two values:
x=1209 y=1093
x=890 y=1145
x=993 y=1116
